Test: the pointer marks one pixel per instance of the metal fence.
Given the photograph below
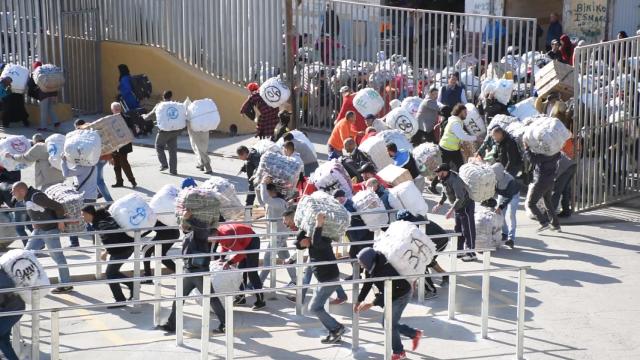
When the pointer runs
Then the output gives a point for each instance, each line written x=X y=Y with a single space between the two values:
x=607 y=122
x=400 y=52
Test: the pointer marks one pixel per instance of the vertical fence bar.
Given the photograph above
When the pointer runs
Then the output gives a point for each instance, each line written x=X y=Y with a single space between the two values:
x=16 y=338
x=35 y=325
x=355 y=322
x=136 y=266
x=157 y=284
x=453 y=279
x=486 y=278
x=388 y=319
x=299 y=275
x=98 y=241
x=272 y=258
x=521 y=313
x=55 y=335
x=204 y=327
x=229 y=326
x=179 y=303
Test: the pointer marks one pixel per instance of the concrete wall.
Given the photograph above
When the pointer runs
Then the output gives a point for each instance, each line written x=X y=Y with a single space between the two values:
x=63 y=111
x=167 y=72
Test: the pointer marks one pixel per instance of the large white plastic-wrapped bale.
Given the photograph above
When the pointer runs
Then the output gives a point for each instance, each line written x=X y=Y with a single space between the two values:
x=25 y=270
x=171 y=116
x=503 y=90
x=203 y=204
x=49 y=77
x=14 y=145
x=407 y=196
x=412 y=104
x=376 y=149
x=55 y=148
x=132 y=212
x=407 y=249
x=330 y=176
x=222 y=280
x=368 y=102
x=230 y=205
x=114 y=132
x=525 y=109
x=540 y=204
x=516 y=130
x=428 y=157
x=72 y=201
x=474 y=122
x=265 y=145
x=401 y=120
x=83 y=147
x=274 y=92
x=546 y=136
x=501 y=121
x=480 y=180
x=282 y=169
x=19 y=77
x=163 y=203
x=368 y=201
x=397 y=137
x=488 y=228
x=337 y=218
x=394 y=175
x=203 y=115
x=300 y=136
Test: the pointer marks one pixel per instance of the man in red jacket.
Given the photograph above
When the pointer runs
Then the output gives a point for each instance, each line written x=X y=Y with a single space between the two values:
x=243 y=261
x=347 y=105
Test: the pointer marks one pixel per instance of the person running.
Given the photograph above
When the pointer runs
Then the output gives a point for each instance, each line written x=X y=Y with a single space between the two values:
x=243 y=261
x=85 y=181
x=196 y=241
x=41 y=208
x=376 y=265
x=161 y=235
x=275 y=205
x=320 y=249
x=45 y=174
x=102 y=220
x=544 y=175
x=103 y=190
x=9 y=301
x=508 y=191
x=462 y=209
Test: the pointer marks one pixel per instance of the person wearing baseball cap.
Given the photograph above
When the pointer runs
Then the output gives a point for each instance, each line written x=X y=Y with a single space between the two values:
x=45 y=174
x=463 y=209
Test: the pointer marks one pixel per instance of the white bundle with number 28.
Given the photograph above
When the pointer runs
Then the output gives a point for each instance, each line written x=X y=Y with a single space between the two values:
x=132 y=212
x=230 y=206
x=480 y=180
x=337 y=218
x=83 y=147
x=14 y=145
x=407 y=249
x=546 y=136
x=163 y=203
x=368 y=201
x=25 y=270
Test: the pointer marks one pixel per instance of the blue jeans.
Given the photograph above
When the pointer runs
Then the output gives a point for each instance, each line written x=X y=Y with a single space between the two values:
x=52 y=243
x=306 y=280
x=102 y=186
x=283 y=255
x=398 y=329
x=21 y=216
x=511 y=210
x=320 y=297
x=6 y=324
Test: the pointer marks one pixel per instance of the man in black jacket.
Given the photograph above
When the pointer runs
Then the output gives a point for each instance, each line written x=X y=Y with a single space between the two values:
x=508 y=153
x=320 y=249
x=195 y=242
x=161 y=235
x=252 y=160
x=377 y=266
x=544 y=174
x=102 y=220
x=8 y=302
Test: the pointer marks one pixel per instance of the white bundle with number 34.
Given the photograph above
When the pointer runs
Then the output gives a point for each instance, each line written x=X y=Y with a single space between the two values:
x=407 y=248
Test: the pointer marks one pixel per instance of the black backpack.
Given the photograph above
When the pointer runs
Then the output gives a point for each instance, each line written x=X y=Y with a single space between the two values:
x=141 y=86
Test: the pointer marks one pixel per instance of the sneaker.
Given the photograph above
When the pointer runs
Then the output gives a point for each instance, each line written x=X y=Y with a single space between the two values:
x=166 y=328
x=428 y=295
x=505 y=237
x=509 y=243
x=62 y=290
x=163 y=168
x=341 y=330
x=556 y=228
x=291 y=298
x=337 y=301
x=469 y=258
x=134 y=185
x=445 y=281
x=542 y=228
x=416 y=340
x=210 y=172
x=174 y=173
x=73 y=246
x=117 y=185
x=200 y=167
x=240 y=300
x=564 y=214
x=258 y=305
x=219 y=330
x=331 y=339
x=402 y=355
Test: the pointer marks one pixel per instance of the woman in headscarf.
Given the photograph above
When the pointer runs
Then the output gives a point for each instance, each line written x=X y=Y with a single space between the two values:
x=566 y=49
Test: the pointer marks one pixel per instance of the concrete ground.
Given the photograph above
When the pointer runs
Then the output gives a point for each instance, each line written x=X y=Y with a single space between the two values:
x=582 y=297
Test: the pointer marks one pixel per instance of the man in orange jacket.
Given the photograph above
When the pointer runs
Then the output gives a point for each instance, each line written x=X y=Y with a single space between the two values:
x=347 y=105
x=342 y=131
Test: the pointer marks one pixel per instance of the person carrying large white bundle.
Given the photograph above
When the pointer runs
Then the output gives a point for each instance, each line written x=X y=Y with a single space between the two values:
x=376 y=265
x=463 y=209
x=85 y=181
x=41 y=208
x=203 y=117
x=168 y=139
x=46 y=98
x=508 y=191
x=544 y=174
x=307 y=154
x=45 y=174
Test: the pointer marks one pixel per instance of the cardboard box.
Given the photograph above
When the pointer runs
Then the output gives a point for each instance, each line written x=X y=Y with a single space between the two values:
x=395 y=175
x=113 y=131
x=555 y=77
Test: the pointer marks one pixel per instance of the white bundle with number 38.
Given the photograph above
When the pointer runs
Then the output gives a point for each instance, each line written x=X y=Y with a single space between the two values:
x=407 y=248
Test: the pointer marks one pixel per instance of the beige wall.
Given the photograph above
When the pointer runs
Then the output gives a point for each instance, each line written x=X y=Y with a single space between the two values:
x=167 y=72
x=63 y=111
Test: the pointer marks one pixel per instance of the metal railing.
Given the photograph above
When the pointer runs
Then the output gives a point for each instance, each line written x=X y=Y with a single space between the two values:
x=607 y=122
x=36 y=310
x=400 y=52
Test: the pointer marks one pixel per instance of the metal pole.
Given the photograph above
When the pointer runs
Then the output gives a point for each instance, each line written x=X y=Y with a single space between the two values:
x=16 y=338
x=274 y=244
x=355 y=322
x=35 y=325
x=206 y=308
x=55 y=335
x=228 y=319
x=98 y=241
x=136 y=265
x=520 y=319
x=291 y=36
x=421 y=290
x=299 y=276
x=157 y=284
x=179 y=304
x=388 y=321
x=486 y=278
x=452 y=287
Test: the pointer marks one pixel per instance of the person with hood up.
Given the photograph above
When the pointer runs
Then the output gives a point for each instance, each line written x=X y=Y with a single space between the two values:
x=508 y=190
x=566 y=49
x=376 y=265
